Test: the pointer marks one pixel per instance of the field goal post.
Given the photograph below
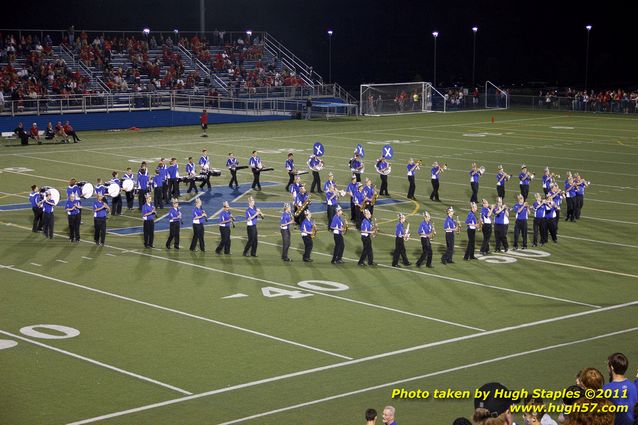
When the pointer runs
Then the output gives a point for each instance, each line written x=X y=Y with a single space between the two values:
x=395 y=98
x=495 y=97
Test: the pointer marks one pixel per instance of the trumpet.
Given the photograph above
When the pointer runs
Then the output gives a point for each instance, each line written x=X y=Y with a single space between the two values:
x=555 y=176
x=443 y=167
x=458 y=225
x=481 y=170
x=342 y=192
x=259 y=214
x=375 y=227
x=406 y=234
x=418 y=162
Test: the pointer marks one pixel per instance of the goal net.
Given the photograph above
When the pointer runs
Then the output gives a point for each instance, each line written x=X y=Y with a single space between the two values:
x=399 y=98
x=495 y=97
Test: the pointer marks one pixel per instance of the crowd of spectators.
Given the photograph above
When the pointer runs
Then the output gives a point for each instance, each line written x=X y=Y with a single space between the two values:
x=616 y=101
x=30 y=72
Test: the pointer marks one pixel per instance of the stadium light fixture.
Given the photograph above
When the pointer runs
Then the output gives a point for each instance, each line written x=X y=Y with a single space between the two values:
x=176 y=31
x=329 y=32
x=435 y=34
x=249 y=33
x=474 y=29
x=588 y=27
x=146 y=31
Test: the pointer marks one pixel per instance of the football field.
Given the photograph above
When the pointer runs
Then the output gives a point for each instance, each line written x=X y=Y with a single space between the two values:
x=128 y=335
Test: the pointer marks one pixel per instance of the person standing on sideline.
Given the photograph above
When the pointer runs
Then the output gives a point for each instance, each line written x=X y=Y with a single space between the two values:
x=436 y=173
x=471 y=222
x=35 y=198
x=401 y=234
x=412 y=168
x=284 y=225
x=73 y=208
x=226 y=220
x=426 y=232
x=521 y=209
x=100 y=210
x=252 y=214
x=48 y=220
x=367 y=231
x=148 y=215
x=486 y=226
x=175 y=223
x=451 y=227
x=337 y=227
x=199 y=217
x=203 y=121
x=309 y=108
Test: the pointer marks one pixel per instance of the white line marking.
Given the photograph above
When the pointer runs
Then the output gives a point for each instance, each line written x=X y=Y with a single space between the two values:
x=453 y=279
x=97 y=363
x=172 y=310
x=567 y=265
x=62 y=261
x=36 y=264
x=348 y=363
x=429 y=375
x=602 y=242
x=110 y=255
x=87 y=258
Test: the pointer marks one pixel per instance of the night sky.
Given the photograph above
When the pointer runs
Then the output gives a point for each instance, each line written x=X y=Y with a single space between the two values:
x=391 y=41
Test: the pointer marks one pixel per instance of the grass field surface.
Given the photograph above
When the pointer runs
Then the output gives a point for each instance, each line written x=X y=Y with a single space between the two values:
x=128 y=335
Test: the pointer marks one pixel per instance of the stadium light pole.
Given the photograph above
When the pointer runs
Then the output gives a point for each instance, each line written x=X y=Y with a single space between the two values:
x=588 y=28
x=435 y=34
x=330 y=32
x=474 y=31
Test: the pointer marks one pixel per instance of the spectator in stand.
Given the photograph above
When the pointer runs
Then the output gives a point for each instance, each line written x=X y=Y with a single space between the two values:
x=583 y=415
x=49 y=133
x=388 y=415
x=493 y=410
x=68 y=130
x=623 y=390
x=371 y=417
x=34 y=133
x=590 y=378
x=22 y=134
x=59 y=131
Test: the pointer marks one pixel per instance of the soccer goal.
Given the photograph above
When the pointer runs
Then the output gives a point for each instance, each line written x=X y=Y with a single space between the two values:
x=399 y=98
x=495 y=97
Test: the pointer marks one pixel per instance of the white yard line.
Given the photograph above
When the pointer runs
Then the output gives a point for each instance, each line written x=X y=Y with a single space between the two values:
x=97 y=363
x=353 y=362
x=172 y=310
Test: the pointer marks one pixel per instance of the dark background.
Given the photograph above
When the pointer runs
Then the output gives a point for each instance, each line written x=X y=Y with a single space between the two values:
x=518 y=42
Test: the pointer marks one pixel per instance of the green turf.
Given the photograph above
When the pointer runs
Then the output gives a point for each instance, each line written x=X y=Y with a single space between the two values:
x=326 y=357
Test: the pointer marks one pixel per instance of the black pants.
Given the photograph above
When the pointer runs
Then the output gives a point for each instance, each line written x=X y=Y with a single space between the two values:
x=331 y=211
x=449 y=248
x=256 y=183
x=551 y=228
x=500 y=234
x=579 y=200
x=435 y=190
x=173 y=186
x=367 y=253
x=399 y=252
x=149 y=233
x=141 y=197
x=285 y=240
x=191 y=186
x=198 y=236
x=316 y=182
x=165 y=187
x=426 y=255
x=383 y=190
x=358 y=216
x=520 y=227
x=307 y=246
x=206 y=182
x=291 y=180
x=524 y=190
x=339 y=247
x=173 y=235
x=251 y=245
x=298 y=216
x=130 y=198
x=500 y=191
x=47 y=224
x=471 y=244
x=545 y=191
x=353 y=211
x=99 y=234
x=158 y=198
x=487 y=234
x=233 y=178
x=74 y=227
x=74 y=135
x=475 y=187
x=539 y=230
x=411 y=187
x=224 y=243
x=358 y=177
x=37 y=218
x=116 y=205
x=24 y=140
x=571 y=216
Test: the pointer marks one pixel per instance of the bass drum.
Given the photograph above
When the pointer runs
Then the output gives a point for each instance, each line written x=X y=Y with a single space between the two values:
x=114 y=190
x=55 y=195
x=87 y=190
x=128 y=185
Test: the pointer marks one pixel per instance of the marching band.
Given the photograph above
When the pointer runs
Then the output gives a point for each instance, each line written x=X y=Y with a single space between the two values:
x=154 y=192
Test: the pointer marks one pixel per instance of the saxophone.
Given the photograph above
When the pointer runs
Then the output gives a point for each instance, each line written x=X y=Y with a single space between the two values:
x=345 y=226
x=313 y=234
x=303 y=206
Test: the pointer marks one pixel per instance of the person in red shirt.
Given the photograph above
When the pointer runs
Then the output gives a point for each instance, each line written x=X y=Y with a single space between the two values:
x=70 y=132
x=59 y=131
x=34 y=133
x=203 y=120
